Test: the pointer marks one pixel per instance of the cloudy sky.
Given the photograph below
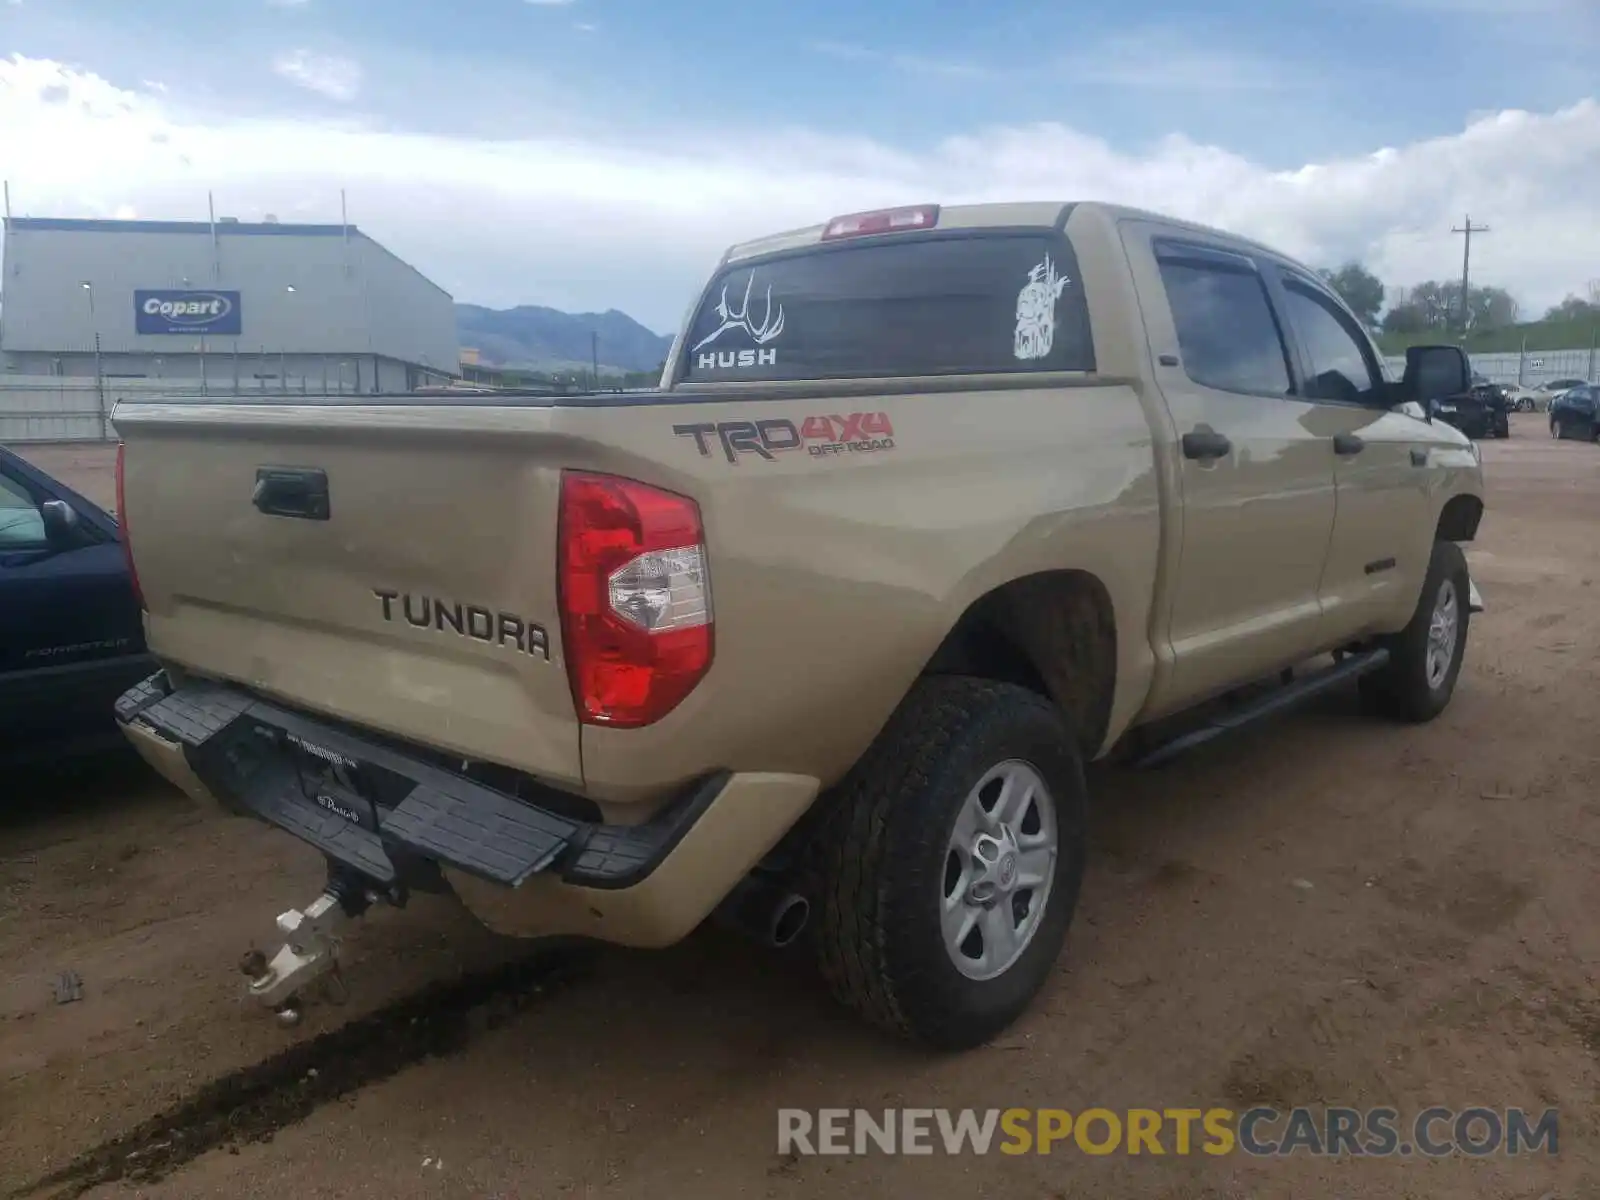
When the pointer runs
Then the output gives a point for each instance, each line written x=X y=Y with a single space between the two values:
x=593 y=154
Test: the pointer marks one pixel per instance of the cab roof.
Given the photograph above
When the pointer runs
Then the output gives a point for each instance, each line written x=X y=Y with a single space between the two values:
x=1037 y=213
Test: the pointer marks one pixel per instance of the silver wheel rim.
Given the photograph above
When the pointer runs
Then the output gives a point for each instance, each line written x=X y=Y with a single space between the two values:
x=1442 y=634
x=999 y=867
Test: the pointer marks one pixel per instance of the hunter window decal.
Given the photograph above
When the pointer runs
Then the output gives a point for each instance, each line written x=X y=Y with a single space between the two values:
x=1036 y=311
x=740 y=320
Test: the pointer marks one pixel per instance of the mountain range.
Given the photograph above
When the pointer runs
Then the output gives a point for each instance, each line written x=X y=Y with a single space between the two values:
x=546 y=339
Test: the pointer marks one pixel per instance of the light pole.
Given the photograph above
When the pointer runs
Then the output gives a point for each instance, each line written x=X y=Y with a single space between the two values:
x=99 y=376
x=283 y=357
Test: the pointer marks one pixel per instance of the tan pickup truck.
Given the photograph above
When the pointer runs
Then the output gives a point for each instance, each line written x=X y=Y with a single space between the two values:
x=932 y=506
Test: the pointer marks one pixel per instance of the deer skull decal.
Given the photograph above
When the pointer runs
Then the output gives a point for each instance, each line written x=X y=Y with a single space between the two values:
x=771 y=326
x=1036 y=311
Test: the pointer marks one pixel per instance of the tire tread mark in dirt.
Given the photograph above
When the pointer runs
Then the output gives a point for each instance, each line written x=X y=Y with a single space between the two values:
x=254 y=1103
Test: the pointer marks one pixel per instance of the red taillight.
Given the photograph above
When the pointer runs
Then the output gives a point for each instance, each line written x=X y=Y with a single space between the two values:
x=635 y=598
x=122 y=529
x=884 y=220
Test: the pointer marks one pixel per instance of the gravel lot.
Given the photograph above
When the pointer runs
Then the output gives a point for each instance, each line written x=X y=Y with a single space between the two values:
x=1324 y=910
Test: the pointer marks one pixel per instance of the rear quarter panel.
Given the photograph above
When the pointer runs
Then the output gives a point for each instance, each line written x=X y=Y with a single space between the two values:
x=836 y=575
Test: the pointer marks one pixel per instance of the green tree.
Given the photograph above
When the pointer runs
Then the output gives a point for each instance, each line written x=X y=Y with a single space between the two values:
x=1492 y=308
x=1573 y=308
x=1359 y=288
x=1432 y=305
x=1406 y=318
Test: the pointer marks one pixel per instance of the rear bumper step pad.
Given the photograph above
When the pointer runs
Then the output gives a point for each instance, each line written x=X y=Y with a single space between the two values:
x=239 y=746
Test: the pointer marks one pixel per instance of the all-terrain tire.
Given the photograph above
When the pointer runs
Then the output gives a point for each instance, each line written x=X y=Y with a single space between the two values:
x=879 y=855
x=1402 y=690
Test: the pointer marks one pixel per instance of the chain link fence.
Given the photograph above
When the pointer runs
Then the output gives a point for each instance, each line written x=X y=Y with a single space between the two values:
x=66 y=408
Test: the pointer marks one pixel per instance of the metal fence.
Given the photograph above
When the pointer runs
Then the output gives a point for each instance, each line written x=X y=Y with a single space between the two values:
x=52 y=408
x=1528 y=368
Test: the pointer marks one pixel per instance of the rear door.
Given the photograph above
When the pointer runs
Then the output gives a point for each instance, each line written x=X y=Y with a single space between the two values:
x=29 y=628
x=1383 y=531
x=1256 y=472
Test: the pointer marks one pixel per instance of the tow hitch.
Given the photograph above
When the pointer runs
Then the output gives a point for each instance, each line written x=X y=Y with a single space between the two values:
x=310 y=951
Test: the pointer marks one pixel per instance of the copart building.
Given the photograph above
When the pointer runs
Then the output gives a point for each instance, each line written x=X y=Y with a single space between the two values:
x=224 y=306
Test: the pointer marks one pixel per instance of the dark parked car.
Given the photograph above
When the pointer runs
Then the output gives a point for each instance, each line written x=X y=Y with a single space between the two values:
x=71 y=638
x=1483 y=412
x=1572 y=414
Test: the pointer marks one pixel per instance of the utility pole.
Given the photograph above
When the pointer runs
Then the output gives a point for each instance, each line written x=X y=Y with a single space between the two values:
x=1467 y=231
x=594 y=358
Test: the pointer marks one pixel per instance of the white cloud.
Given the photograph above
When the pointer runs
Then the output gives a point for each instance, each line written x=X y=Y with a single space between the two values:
x=592 y=225
x=287 y=3
x=327 y=74
x=1162 y=59
x=548 y=3
x=916 y=64
x=585 y=27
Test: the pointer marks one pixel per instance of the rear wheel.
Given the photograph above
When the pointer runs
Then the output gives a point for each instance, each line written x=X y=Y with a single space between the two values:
x=948 y=865
x=1425 y=657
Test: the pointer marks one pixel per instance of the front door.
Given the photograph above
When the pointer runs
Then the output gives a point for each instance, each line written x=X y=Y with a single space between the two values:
x=1255 y=475
x=1575 y=414
x=67 y=612
x=1382 y=532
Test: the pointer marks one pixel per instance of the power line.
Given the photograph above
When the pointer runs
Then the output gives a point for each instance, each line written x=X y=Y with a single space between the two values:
x=1466 y=267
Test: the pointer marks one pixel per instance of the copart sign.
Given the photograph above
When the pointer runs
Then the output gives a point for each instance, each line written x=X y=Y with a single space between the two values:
x=187 y=312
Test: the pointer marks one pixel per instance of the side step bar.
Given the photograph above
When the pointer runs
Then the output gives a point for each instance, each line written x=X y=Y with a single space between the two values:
x=1278 y=700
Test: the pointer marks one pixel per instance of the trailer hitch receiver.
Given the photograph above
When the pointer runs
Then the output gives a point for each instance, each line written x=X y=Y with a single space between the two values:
x=310 y=950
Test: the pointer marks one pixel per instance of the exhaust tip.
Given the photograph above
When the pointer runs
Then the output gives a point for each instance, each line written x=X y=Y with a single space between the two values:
x=789 y=921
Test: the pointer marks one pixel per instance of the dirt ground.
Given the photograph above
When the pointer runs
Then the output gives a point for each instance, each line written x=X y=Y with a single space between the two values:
x=1323 y=910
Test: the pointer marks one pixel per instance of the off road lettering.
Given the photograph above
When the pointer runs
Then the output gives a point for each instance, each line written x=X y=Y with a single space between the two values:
x=467 y=620
x=852 y=433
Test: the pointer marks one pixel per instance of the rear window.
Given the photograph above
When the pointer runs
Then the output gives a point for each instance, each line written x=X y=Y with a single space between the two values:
x=950 y=305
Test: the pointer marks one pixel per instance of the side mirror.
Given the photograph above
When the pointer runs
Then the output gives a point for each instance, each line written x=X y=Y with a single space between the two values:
x=60 y=522
x=1434 y=372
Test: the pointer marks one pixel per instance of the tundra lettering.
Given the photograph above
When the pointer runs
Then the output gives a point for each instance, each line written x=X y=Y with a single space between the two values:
x=468 y=620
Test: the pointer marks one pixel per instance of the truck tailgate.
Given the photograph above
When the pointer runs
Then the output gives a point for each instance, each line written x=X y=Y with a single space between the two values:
x=418 y=599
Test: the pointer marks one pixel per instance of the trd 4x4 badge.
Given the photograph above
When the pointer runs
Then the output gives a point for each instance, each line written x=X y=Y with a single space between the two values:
x=819 y=436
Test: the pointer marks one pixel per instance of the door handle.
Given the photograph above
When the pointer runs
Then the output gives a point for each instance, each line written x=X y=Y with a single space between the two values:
x=1419 y=458
x=1345 y=444
x=292 y=492
x=1205 y=444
